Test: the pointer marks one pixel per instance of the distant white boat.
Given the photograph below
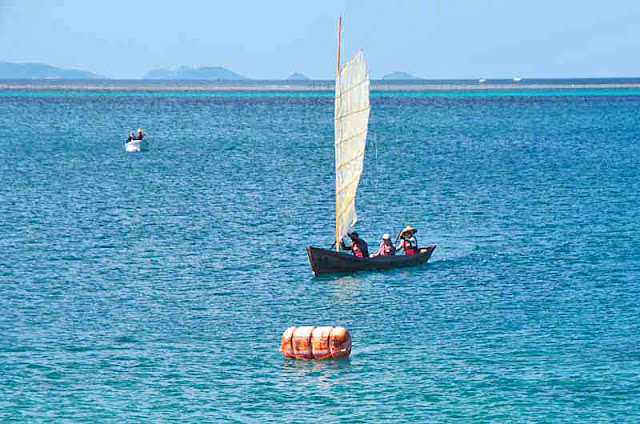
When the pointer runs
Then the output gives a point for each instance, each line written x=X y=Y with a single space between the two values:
x=517 y=79
x=482 y=80
x=137 y=146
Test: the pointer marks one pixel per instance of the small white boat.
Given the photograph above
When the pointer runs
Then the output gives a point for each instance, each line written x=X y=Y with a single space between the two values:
x=137 y=146
x=482 y=80
x=517 y=79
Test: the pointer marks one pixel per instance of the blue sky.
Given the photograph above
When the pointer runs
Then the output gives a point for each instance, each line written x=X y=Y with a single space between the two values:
x=272 y=39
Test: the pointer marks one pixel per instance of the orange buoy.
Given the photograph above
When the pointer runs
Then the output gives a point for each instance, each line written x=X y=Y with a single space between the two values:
x=316 y=343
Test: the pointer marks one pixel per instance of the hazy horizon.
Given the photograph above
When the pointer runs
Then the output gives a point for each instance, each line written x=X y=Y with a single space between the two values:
x=434 y=40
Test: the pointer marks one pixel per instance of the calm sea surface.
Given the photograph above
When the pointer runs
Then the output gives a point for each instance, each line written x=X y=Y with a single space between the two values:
x=155 y=287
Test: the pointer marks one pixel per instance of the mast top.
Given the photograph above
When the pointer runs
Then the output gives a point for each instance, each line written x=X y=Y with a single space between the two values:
x=339 y=36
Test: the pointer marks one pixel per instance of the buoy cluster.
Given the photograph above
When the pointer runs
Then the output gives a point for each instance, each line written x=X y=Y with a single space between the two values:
x=316 y=342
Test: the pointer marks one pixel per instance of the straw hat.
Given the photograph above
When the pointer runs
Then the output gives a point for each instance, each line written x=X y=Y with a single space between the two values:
x=139 y=129
x=408 y=230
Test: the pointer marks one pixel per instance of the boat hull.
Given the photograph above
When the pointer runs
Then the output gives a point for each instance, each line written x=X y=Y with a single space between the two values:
x=325 y=261
x=137 y=146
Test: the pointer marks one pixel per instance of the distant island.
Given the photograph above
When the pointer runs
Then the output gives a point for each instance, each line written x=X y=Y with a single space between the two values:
x=208 y=73
x=400 y=76
x=297 y=76
x=10 y=70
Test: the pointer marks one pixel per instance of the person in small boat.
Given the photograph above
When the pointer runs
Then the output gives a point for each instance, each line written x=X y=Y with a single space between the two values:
x=131 y=137
x=408 y=241
x=386 y=247
x=139 y=135
x=358 y=247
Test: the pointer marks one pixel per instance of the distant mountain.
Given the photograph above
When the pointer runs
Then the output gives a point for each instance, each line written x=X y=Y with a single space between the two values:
x=211 y=73
x=40 y=70
x=296 y=76
x=397 y=76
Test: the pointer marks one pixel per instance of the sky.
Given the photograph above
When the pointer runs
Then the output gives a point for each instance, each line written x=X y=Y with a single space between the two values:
x=434 y=39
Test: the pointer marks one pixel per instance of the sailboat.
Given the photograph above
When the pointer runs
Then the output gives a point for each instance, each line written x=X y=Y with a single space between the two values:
x=351 y=125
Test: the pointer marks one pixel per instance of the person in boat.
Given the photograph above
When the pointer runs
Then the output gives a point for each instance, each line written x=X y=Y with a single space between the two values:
x=139 y=135
x=358 y=247
x=386 y=247
x=131 y=137
x=408 y=241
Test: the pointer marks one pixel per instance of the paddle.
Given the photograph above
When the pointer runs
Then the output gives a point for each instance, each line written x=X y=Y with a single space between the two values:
x=397 y=238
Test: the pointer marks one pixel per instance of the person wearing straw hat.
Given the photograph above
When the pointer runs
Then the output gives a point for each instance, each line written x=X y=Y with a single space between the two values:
x=386 y=247
x=408 y=241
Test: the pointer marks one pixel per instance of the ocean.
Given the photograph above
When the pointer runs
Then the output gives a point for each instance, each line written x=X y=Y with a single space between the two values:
x=154 y=287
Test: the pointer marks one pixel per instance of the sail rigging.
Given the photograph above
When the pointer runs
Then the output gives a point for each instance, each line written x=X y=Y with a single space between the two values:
x=351 y=126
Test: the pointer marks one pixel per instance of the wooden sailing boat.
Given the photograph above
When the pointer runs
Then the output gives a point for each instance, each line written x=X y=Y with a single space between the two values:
x=351 y=124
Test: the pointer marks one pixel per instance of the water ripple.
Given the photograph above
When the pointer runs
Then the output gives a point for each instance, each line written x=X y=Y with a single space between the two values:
x=155 y=287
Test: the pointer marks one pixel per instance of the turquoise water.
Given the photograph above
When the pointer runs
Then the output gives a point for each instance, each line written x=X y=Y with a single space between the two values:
x=530 y=92
x=155 y=287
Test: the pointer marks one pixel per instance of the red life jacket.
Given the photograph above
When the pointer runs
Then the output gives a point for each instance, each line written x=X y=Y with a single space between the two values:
x=387 y=250
x=356 y=250
x=409 y=247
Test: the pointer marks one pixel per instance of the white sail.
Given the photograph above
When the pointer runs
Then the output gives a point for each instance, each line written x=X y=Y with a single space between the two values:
x=351 y=123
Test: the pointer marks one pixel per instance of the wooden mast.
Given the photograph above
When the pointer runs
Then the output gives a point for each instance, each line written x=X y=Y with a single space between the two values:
x=337 y=81
x=339 y=34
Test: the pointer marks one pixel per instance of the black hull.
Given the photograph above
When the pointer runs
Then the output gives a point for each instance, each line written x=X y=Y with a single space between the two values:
x=326 y=261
